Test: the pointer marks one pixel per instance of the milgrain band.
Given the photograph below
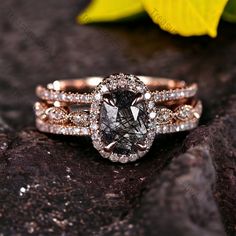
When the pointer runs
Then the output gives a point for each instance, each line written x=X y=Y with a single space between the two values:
x=122 y=113
x=77 y=129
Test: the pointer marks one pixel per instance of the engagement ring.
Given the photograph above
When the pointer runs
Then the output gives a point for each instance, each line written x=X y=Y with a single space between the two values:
x=122 y=113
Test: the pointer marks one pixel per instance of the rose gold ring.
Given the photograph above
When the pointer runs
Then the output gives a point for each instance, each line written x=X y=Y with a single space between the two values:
x=122 y=113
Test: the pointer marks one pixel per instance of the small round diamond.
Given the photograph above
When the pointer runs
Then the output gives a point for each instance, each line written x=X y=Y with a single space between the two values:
x=114 y=158
x=140 y=88
x=79 y=118
x=94 y=126
x=184 y=112
x=84 y=131
x=97 y=145
x=124 y=159
x=97 y=96
x=40 y=109
x=122 y=82
x=147 y=96
x=56 y=114
x=152 y=115
x=151 y=105
x=133 y=157
x=104 y=88
x=95 y=136
x=164 y=115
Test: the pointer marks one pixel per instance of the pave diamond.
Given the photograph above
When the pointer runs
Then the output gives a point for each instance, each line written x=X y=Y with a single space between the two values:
x=164 y=115
x=79 y=118
x=56 y=114
x=123 y=121
x=184 y=112
x=40 y=109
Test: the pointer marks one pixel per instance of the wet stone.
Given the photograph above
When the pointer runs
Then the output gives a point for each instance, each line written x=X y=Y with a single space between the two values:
x=123 y=121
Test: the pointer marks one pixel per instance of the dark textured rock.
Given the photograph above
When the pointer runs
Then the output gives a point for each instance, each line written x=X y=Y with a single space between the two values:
x=55 y=185
x=123 y=122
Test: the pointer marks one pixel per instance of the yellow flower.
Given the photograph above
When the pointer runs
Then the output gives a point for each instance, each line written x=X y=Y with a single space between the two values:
x=184 y=17
x=110 y=10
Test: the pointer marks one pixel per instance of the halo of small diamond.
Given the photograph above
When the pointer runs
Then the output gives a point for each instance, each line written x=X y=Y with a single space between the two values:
x=109 y=84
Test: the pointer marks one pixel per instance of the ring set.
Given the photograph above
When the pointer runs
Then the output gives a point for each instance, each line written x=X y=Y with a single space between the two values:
x=122 y=113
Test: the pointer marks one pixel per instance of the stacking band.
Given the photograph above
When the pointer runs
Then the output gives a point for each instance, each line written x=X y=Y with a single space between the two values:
x=162 y=89
x=117 y=108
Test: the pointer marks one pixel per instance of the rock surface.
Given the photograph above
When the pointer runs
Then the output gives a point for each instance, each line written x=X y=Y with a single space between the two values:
x=52 y=185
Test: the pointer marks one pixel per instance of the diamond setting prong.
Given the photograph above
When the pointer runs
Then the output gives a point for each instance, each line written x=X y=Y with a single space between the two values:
x=141 y=147
x=110 y=146
x=138 y=99
x=108 y=99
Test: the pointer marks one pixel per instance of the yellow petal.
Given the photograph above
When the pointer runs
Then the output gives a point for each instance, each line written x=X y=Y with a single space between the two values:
x=110 y=10
x=186 y=17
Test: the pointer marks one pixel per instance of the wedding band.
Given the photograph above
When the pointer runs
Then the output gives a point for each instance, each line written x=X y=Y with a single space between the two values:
x=122 y=113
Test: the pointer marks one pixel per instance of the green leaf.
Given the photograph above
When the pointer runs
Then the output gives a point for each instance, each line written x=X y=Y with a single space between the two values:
x=229 y=13
x=186 y=17
x=110 y=10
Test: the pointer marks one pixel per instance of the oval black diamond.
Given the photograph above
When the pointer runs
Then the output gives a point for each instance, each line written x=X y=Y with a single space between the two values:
x=123 y=121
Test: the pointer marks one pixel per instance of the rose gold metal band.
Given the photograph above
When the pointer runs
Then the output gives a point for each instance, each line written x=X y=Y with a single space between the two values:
x=177 y=110
x=81 y=90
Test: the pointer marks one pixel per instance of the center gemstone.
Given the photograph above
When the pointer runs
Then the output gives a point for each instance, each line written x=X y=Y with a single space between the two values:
x=123 y=121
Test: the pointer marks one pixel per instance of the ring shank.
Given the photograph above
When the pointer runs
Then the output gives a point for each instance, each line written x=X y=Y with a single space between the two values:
x=65 y=106
x=87 y=84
